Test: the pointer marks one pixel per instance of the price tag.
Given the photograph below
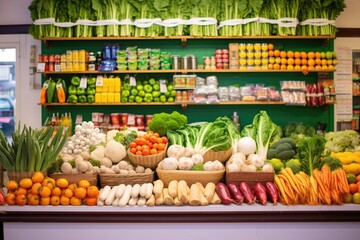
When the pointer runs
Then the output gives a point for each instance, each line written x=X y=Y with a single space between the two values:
x=58 y=86
x=57 y=67
x=99 y=81
x=79 y=119
x=40 y=67
x=132 y=81
x=131 y=120
x=46 y=85
x=83 y=82
x=163 y=87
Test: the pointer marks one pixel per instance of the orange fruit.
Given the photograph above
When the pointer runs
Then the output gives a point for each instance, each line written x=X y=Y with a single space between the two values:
x=353 y=188
x=90 y=201
x=311 y=68
x=297 y=67
x=65 y=201
x=45 y=192
x=317 y=55
x=311 y=62
x=21 y=200
x=317 y=61
x=55 y=200
x=276 y=53
x=311 y=55
x=276 y=66
x=270 y=46
x=84 y=183
x=304 y=67
x=37 y=177
x=283 y=61
x=74 y=201
x=303 y=55
x=297 y=55
x=72 y=186
x=68 y=193
x=270 y=66
x=283 y=54
x=297 y=61
x=62 y=183
x=290 y=54
x=48 y=182
x=358 y=178
x=45 y=201
x=20 y=191
x=12 y=185
x=36 y=188
x=318 y=67
x=80 y=193
x=290 y=61
x=92 y=192
x=304 y=61
x=34 y=200
x=11 y=199
x=56 y=191
x=271 y=53
x=283 y=67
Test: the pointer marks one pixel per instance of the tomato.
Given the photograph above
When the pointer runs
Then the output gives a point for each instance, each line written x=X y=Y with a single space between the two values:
x=156 y=135
x=153 y=151
x=133 y=150
x=150 y=145
x=139 y=141
x=138 y=148
x=155 y=145
x=161 y=146
x=145 y=152
x=153 y=139
x=146 y=136
x=138 y=153
x=165 y=140
x=159 y=140
x=145 y=147
x=132 y=145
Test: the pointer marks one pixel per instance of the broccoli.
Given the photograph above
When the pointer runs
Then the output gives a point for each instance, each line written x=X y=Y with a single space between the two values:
x=333 y=163
x=294 y=164
x=277 y=164
x=162 y=122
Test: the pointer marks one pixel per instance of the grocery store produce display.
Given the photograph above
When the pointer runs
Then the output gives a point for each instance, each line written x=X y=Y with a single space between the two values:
x=304 y=170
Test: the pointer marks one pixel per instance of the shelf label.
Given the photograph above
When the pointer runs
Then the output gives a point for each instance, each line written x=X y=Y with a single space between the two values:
x=132 y=81
x=40 y=67
x=163 y=87
x=83 y=82
x=131 y=120
x=99 y=81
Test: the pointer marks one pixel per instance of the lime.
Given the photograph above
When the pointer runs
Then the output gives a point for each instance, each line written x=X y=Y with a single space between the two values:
x=351 y=178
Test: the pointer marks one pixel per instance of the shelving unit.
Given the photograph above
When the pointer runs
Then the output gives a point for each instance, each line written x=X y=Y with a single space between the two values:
x=200 y=47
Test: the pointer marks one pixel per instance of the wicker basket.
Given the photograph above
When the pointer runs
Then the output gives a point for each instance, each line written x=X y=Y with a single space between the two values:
x=76 y=177
x=250 y=177
x=222 y=156
x=116 y=179
x=190 y=177
x=17 y=176
x=150 y=161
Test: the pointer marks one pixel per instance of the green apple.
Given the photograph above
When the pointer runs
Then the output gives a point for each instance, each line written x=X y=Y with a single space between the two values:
x=329 y=55
x=148 y=88
x=138 y=99
x=356 y=198
x=131 y=98
x=156 y=94
x=170 y=99
x=167 y=94
x=323 y=55
x=141 y=93
x=170 y=87
x=139 y=87
x=162 y=98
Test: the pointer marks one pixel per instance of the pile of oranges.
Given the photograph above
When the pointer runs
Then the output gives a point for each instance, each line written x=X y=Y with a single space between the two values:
x=42 y=190
x=148 y=144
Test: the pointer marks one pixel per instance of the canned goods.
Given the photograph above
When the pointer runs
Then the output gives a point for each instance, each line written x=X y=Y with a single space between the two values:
x=52 y=58
x=40 y=58
x=46 y=67
x=57 y=58
x=107 y=53
x=69 y=54
x=124 y=118
x=63 y=66
x=69 y=66
x=63 y=58
x=148 y=119
x=82 y=66
x=75 y=56
x=75 y=66
x=193 y=60
x=115 y=119
x=45 y=58
x=57 y=67
x=175 y=62
x=139 y=120
x=178 y=96
x=82 y=56
x=51 y=67
x=95 y=118
x=185 y=62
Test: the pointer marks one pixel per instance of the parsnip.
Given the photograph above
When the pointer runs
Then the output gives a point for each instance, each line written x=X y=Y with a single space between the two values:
x=98 y=201
x=168 y=200
x=149 y=190
x=194 y=199
x=182 y=192
x=177 y=201
x=141 y=201
x=151 y=201
x=209 y=191
x=159 y=200
x=125 y=197
x=158 y=188
x=215 y=199
x=143 y=189
x=120 y=191
x=105 y=192
x=201 y=187
x=115 y=203
x=173 y=188
x=133 y=201
x=111 y=197
x=203 y=200
x=135 y=191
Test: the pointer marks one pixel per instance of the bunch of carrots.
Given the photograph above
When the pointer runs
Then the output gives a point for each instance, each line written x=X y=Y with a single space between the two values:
x=322 y=187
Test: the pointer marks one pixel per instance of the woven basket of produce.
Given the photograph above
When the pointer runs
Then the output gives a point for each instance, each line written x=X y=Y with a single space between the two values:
x=17 y=176
x=149 y=161
x=114 y=179
x=222 y=156
x=190 y=177
x=76 y=177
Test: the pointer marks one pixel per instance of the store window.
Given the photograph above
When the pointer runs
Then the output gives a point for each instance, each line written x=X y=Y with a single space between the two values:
x=7 y=89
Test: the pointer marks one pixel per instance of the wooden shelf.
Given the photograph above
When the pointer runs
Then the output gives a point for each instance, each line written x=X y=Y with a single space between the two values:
x=181 y=71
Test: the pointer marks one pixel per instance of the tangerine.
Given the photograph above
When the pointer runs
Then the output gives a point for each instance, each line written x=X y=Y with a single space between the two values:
x=80 y=193
x=21 y=200
x=26 y=183
x=317 y=55
x=45 y=192
x=283 y=54
x=311 y=55
x=90 y=201
x=11 y=199
x=84 y=183
x=297 y=55
x=45 y=201
x=36 y=188
x=92 y=192
x=48 y=182
x=290 y=54
x=12 y=185
x=62 y=183
x=358 y=178
x=72 y=186
x=56 y=191
x=55 y=200
x=34 y=200
x=20 y=191
x=64 y=200
x=68 y=193
x=270 y=46
x=303 y=55
x=74 y=201
x=353 y=188
x=37 y=177
x=283 y=67
x=276 y=53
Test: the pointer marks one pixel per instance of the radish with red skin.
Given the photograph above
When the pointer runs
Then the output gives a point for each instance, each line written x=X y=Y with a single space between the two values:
x=249 y=196
x=272 y=192
x=224 y=194
x=235 y=193
x=260 y=192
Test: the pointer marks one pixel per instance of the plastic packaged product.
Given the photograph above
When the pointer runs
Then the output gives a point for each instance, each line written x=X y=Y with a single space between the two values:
x=155 y=51
x=234 y=93
x=165 y=66
x=132 y=65
x=106 y=69
x=143 y=52
x=211 y=99
x=200 y=81
x=121 y=53
x=121 y=66
x=200 y=98
x=262 y=94
x=108 y=63
x=121 y=59
x=154 y=67
x=211 y=80
x=246 y=91
x=223 y=93
x=199 y=91
x=165 y=56
x=142 y=58
x=212 y=89
x=273 y=94
x=153 y=62
x=132 y=58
